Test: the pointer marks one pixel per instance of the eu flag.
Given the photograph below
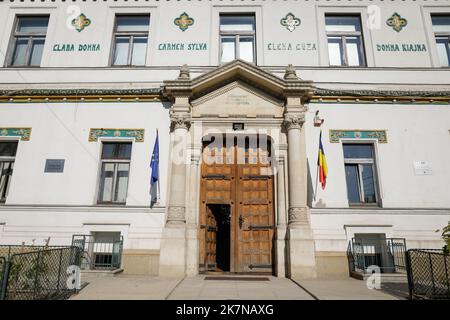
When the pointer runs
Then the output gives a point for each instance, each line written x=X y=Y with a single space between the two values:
x=154 y=165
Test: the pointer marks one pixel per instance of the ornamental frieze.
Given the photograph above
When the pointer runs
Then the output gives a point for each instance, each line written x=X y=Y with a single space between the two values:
x=137 y=134
x=337 y=135
x=23 y=133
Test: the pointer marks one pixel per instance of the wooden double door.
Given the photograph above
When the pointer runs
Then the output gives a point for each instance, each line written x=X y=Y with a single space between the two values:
x=236 y=209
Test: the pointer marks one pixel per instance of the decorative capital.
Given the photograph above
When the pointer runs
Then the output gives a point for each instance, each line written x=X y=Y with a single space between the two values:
x=179 y=121
x=184 y=73
x=396 y=22
x=294 y=121
x=183 y=21
x=176 y=215
x=298 y=216
x=290 y=22
x=290 y=73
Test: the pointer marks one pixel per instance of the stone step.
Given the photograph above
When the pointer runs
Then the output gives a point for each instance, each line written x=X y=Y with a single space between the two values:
x=101 y=272
x=385 y=277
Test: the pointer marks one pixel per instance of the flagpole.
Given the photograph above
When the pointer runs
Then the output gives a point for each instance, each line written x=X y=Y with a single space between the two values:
x=158 y=191
x=318 y=167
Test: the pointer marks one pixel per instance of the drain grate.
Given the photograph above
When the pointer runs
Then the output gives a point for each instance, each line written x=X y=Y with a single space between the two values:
x=238 y=278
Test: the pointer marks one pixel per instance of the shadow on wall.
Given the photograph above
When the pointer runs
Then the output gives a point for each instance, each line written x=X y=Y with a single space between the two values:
x=312 y=186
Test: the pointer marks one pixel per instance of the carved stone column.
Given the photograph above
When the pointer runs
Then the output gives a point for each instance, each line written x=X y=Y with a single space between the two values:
x=174 y=240
x=300 y=240
x=176 y=212
x=298 y=213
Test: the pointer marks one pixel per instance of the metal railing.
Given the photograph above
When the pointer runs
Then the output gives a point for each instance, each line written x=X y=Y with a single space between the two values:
x=386 y=253
x=428 y=274
x=7 y=251
x=40 y=274
x=99 y=254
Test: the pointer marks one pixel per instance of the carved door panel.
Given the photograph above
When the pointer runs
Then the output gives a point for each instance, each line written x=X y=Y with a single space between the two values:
x=217 y=187
x=210 y=241
x=255 y=216
x=247 y=186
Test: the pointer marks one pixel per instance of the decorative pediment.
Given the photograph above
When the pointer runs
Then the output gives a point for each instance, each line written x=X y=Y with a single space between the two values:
x=242 y=72
x=237 y=99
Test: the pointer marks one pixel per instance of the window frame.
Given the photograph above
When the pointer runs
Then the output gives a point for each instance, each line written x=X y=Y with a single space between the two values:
x=236 y=34
x=343 y=35
x=11 y=160
x=115 y=162
x=15 y=34
x=131 y=34
x=360 y=162
x=445 y=35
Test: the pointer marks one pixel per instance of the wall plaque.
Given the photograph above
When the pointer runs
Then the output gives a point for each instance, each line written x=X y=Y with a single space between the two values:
x=54 y=165
x=423 y=168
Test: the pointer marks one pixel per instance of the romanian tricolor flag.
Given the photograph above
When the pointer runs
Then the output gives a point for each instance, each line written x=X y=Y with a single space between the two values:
x=322 y=164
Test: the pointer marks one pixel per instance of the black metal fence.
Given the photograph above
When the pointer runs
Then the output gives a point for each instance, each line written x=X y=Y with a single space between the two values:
x=103 y=253
x=388 y=254
x=40 y=274
x=428 y=274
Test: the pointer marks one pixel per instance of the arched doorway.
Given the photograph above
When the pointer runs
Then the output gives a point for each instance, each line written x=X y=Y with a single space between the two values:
x=236 y=204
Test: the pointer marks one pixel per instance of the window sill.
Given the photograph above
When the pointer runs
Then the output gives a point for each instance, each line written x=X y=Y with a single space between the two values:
x=22 y=67
x=110 y=204
x=364 y=205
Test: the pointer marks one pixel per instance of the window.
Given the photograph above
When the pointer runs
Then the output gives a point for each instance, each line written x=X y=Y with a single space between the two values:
x=115 y=171
x=237 y=38
x=130 y=40
x=441 y=28
x=345 y=41
x=7 y=157
x=360 y=173
x=28 y=41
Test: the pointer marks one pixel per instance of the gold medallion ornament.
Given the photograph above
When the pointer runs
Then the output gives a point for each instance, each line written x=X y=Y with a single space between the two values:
x=183 y=21
x=81 y=22
x=290 y=22
x=397 y=22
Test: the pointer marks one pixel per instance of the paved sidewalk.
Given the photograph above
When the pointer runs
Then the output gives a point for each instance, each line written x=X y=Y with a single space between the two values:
x=127 y=287
x=343 y=289
x=197 y=288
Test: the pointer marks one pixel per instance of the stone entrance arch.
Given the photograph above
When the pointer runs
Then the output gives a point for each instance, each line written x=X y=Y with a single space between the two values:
x=238 y=93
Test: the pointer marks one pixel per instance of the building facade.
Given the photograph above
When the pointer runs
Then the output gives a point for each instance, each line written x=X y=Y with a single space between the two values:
x=238 y=94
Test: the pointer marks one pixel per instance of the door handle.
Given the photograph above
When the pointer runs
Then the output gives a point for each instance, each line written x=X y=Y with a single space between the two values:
x=241 y=221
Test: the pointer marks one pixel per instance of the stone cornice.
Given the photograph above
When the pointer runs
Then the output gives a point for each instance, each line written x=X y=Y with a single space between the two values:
x=381 y=93
x=184 y=87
